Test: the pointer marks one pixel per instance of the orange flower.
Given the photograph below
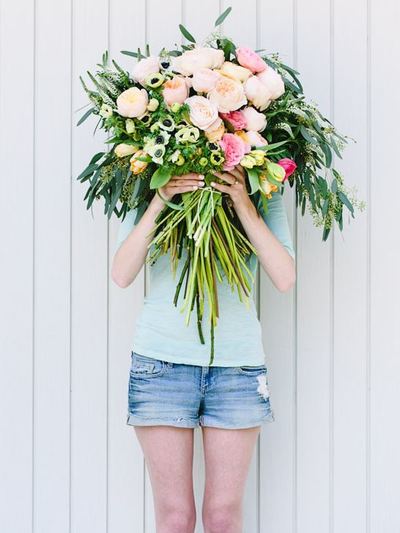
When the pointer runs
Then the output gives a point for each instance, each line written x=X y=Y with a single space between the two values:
x=138 y=166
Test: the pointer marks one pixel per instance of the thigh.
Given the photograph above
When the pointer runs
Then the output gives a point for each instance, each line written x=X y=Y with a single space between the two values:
x=227 y=455
x=168 y=452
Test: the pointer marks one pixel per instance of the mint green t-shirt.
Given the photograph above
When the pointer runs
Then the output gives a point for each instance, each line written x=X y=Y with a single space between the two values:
x=161 y=331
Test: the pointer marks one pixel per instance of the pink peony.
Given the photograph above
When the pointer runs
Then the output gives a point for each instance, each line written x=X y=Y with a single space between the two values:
x=234 y=150
x=288 y=165
x=236 y=119
x=250 y=59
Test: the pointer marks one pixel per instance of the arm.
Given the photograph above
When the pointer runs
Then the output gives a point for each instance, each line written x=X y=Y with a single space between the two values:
x=276 y=258
x=132 y=251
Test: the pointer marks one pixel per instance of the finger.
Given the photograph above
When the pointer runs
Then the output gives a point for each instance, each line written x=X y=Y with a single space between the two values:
x=180 y=182
x=221 y=187
x=184 y=188
x=191 y=176
x=225 y=176
x=238 y=175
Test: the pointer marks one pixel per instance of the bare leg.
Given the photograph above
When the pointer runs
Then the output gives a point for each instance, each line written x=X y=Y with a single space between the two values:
x=227 y=454
x=168 y=452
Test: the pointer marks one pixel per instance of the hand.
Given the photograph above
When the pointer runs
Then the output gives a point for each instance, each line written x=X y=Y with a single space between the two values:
x=236 y=186
x=179 y=184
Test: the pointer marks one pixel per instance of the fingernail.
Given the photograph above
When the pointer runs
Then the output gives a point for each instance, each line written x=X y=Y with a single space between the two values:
x=201 y=183
x=212 y=183
x=195 y=187
x=201 y=176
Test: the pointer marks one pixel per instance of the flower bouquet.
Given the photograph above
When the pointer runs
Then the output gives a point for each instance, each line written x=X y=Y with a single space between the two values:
x=207 y=109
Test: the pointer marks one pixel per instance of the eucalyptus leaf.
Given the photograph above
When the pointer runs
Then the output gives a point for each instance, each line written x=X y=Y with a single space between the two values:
x=85 y=116
x=222 y=17
x=187 y=34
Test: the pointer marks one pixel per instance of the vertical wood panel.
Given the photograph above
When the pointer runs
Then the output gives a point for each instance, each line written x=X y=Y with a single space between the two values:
x=350 y=275
x=314 y=300
x=89 y=446
x=277 y=459
x=16 y=282
x=52 y=266
x=384 y=270
x=125 y=458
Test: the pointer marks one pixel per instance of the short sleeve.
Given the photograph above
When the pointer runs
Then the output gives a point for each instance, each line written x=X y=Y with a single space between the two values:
x=277 y=221
x=125 y=227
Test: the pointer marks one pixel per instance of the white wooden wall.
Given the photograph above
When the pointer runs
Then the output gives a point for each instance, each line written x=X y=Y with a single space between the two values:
x=69 y=464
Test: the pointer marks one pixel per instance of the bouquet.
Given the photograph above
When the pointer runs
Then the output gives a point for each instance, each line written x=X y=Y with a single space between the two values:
x=207 y=109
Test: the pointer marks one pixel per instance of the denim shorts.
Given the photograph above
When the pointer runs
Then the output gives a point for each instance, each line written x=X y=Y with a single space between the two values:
x=183 y=395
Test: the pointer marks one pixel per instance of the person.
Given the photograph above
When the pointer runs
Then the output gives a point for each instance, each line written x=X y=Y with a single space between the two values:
x=171 y=387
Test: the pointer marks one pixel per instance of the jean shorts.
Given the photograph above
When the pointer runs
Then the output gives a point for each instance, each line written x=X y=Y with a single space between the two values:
x=183 y=395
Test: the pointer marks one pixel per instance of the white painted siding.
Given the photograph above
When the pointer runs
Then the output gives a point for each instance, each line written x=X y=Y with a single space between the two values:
x=69 y=464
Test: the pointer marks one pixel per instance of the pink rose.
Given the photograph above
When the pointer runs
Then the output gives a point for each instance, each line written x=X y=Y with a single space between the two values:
x=204 y=80
x=288 y=165
x=234 y=150
x=255 y=121
x=250 y=59
x=236 y=119
x=175 y=91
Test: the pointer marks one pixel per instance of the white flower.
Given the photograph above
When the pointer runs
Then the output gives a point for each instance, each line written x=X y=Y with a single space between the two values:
x=145 y=67
x=200 y=57
x=106 y=111
x=202 y=111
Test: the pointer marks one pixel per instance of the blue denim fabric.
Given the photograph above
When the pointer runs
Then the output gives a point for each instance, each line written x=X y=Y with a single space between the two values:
x=184 y=395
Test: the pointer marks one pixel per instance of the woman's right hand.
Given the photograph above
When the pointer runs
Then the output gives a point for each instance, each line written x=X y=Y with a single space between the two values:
x=179 y=184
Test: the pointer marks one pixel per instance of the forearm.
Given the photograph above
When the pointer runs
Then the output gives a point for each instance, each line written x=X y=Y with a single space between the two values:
x=274 y=258
x=131 y=255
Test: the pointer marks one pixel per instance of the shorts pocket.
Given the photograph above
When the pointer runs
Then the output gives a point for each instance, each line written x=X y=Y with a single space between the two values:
x=143 y=366
x=252 y=370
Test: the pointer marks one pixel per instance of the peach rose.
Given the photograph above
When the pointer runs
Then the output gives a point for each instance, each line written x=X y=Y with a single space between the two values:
x=122 y=150
x=236 y=72
x=273 y=82
x=175 y=91
x=257 y=93
x=228 y=95
x=138 y=166
x=255 y=121
x=216 y=131
x=253 y=138
x=201 y=57
x=203 y=113
x=145 y=67
x=132 y=103
x=248 y=58
x=204 y=80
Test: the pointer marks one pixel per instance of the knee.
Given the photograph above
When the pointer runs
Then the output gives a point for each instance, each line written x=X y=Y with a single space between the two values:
x=223 y=517
x=179 y=520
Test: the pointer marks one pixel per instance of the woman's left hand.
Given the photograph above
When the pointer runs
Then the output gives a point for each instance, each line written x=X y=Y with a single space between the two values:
x=235 y=186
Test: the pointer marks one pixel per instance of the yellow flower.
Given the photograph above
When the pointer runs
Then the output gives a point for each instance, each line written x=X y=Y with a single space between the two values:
x=122 y=150
x=138 y=166
x=267 y=187
x=259 y=156
x=248 y=161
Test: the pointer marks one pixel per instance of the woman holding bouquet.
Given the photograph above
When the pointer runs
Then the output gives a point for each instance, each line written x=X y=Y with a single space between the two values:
x=173 y=389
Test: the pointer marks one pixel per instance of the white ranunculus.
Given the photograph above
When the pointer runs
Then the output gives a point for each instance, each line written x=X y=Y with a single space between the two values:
x=145 y=67
x=257 y=93
x=203 y=113
x=273 y=82
x=255 y=121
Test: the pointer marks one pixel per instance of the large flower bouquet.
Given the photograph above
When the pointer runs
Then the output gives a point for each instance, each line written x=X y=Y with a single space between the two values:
x=207 y=109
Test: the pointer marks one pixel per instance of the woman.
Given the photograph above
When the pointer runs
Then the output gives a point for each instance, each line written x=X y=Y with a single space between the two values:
x=171 y=388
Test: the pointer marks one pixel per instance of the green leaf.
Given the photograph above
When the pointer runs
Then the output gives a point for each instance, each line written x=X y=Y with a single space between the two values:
x=269 y=147
x=127 y=53
x=253 y=180
x=334 y=185
x=160 y=177
x=346 y=201
x=85 y=116
x=186 y=34
x=222 y=17
x=87 y=172
x=170 y=204
x=325 y=233
x=307 y=136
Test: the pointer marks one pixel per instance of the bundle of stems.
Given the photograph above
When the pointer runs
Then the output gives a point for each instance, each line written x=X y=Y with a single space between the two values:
x=215 y=248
